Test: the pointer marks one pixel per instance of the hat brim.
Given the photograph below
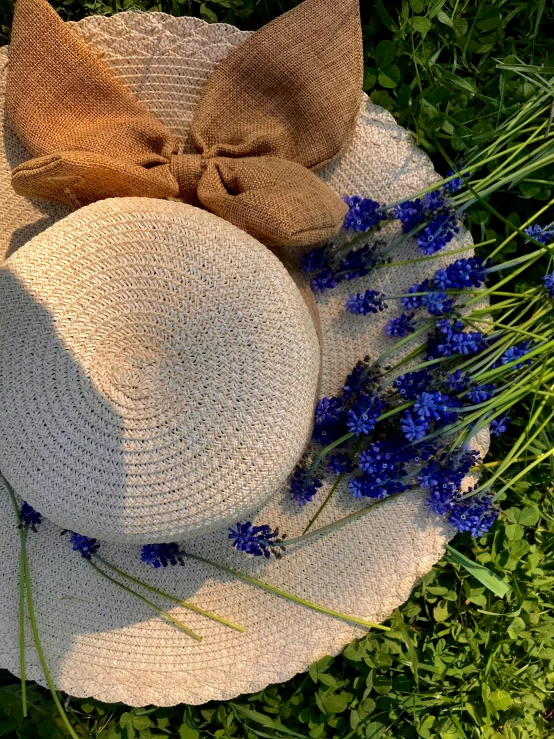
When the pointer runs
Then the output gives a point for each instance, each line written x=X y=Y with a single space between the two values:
x=100 y=641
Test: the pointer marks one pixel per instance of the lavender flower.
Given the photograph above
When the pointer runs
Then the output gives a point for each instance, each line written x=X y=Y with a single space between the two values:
x=324 y=280
x=548 y=282
x=356 y=263
x=256 y=540
x=411 y=301
x=499 y=425
x=362 y=214
x=450 y=339
x=369 y=302
x=83 y=544
x=304 y=485
x=401 y=326
x=437 y=303
x=340 y=464
x=437 y=234
x=462 y=274
x=364 y=415
x=480 y=393
x=413 y=428
x=160 y=555
x=474 y=515
x=431 y=405
x=329 y=420
x=542 y=234
x=30 y=518
x=412 y=383
x=517 y=351
x=315 y=260
x=457 y=382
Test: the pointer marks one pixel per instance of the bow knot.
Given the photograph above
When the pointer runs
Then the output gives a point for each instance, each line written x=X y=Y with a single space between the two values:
x=276 y=108
x=187 y=170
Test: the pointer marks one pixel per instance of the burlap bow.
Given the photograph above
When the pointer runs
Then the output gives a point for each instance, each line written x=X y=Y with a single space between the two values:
x=280 y=105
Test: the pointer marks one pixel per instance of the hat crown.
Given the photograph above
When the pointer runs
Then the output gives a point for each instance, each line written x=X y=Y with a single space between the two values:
x=170 y=370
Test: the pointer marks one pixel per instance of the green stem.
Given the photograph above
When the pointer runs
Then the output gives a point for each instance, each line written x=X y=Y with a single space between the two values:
x=185 y=604
x=22 y=632
x=339 y=522
x=283 y=594
x=156 y=608
x=327 y=499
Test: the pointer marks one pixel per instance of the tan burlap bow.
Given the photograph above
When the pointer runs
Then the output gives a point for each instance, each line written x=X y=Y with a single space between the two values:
x=278 y=106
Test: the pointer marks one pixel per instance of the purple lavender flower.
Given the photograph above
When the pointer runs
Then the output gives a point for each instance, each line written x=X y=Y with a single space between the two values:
x=411 y=301
x=329 y=420
x=356 y=263
x=437 y=303
x=431 y=405
x=443 y=479
x=369 y=302
x=542 y=234
x=413 y=428
x=411 y=384
x=462 y=274
x=160 y=555
x=364 y=415
x=30 y=518
x=340 y=464
x=83 y=544
x=480 y=393
x=401 y=326
x=517 y=351
x=315 y=260
x=455 y=184
x=363 y=214
x=324 y=280
x=437 y=234
x=450 y=339
x=499 y=425
x=256 y=540
x=359 y=380
x=304 y=485
x=457 y=382
x=474 y=515
x=548 y=282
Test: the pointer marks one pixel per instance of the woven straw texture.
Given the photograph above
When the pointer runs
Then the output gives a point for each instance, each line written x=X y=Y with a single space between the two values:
x=279 y=104
x=165 y=349
x=99 y=641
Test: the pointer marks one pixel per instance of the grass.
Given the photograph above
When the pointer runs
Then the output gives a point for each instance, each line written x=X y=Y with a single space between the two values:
x=459 y=662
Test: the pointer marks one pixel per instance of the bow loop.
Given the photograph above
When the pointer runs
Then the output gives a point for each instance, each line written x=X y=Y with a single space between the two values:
x=283 y=103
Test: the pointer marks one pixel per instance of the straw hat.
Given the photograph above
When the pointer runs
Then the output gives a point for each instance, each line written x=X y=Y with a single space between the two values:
x=158 y=374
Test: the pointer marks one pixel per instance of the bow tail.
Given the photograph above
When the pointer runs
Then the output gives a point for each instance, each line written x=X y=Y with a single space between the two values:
x=279 y=202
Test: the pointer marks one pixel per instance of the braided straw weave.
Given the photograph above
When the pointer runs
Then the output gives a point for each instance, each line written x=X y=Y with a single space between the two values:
x=100 y=641
x=165 y=349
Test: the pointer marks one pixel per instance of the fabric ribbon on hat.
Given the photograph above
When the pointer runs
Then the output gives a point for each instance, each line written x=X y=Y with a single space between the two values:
x=280 y=105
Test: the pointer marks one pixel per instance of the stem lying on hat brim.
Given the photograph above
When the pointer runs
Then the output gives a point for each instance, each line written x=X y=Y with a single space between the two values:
x=185 y=604
x=27 y=580
x=283 y=594
x=159 y=610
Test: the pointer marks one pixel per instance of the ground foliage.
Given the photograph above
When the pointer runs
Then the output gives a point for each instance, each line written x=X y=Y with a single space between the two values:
x=459 y=663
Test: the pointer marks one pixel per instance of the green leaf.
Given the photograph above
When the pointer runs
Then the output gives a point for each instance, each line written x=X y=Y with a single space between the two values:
x=418 y=6
x=375 y=730
x=264 y=720
x=382 y=98
x=403 y=96
x=485 y=576
x=385 y=53
x=207 y=14
x=440 y=611
x=384 y=16
x=443 y=18
x=370 y=78
x=501 y=700
x=185 y=732
x=389 y=76
x=421 y=24
x=335 y=702
x=529 y=516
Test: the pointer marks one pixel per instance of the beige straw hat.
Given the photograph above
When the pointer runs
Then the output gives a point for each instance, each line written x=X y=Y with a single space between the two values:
x=158 y=373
